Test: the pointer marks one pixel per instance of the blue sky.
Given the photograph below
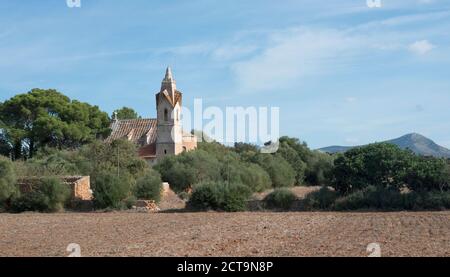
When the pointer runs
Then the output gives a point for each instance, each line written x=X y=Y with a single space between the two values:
x=341 y=72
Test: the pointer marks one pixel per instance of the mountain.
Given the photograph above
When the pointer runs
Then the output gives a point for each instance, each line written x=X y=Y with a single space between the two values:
x=415 y=142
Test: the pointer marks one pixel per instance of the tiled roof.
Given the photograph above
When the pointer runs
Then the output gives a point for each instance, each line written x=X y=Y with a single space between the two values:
x=147 y=151
x=139 y=131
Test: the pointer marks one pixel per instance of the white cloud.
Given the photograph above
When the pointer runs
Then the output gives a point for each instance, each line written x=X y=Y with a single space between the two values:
x=421 y=47
x=296 y=53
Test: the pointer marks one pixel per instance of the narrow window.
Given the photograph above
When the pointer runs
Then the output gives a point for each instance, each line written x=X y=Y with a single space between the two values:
x=166 y=115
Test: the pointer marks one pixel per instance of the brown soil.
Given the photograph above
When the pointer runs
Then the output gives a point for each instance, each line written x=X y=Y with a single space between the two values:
x=226 y=234
x=171 y=201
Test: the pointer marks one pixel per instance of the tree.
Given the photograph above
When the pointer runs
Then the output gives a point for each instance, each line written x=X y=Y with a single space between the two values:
x=254 y=177
x=279 y=170
x=189 y=168
x=241 y=147
x=311 y=167
x=428 y=174
x=319 y=169
x=119 y=157
x=381 y=165
x=125 y=113
x=48 y=118
x=149 y=186
x=291 y=155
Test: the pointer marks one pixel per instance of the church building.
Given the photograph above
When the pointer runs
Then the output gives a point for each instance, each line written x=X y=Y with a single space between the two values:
x=162 y=136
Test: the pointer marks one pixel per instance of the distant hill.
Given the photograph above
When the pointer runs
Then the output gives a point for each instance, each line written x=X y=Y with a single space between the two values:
x=415 y=142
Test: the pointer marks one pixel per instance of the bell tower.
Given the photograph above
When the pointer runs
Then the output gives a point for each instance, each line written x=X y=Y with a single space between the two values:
x=169 y=139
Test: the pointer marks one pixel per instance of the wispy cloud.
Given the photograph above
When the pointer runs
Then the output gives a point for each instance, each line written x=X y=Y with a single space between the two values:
x=293 y=54
x=421 y=47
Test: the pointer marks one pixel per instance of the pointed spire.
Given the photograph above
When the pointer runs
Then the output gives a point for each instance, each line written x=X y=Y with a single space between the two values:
x=168 y=76
x=169 y=84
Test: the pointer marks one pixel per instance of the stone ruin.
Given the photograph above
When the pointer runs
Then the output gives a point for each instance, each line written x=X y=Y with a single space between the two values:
x=80 y=187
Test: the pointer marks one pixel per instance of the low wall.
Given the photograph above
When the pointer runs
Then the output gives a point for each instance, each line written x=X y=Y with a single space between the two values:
x=80 y=186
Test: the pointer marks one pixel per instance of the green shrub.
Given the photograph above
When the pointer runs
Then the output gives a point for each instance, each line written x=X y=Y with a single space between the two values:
x=255 y=177
x=279 y=170
x=372 y=198
x=149 y=186
x=56 y=192
x=322 y=199
x=280 y=198
x=220 y=196
x=189 y=168
x=8 y=186
x=435 y=200
x=49 y=195
x=110 y=191
x=32 y=201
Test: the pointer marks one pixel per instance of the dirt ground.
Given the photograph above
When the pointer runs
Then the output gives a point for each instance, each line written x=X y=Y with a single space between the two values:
x=226 y=234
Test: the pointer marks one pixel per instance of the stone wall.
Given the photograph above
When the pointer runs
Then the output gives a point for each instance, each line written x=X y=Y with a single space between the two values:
x=80 y=186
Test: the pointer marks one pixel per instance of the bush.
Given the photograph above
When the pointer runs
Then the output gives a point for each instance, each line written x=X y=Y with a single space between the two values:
x=8 y=186
x=110 y=191
x=434 y=200
x=281 y=198
x=319 y=170
x=189 y=168
x=56 y=192
x=149 y=186
x=372 y=198
x=320 y=200
x=255 y=177
x=220 y=196
x=50 y=195
x=279 y=170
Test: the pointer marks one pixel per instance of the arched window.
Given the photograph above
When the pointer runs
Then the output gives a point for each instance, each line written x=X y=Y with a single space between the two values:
x=166 y=115
x=165 y=152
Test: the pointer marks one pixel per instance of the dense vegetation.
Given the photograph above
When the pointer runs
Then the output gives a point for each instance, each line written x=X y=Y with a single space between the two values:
x=44 y=133
x=42 y=118
x=280 y=199
x=229 y=197
x=50 y=195
x=382 y=176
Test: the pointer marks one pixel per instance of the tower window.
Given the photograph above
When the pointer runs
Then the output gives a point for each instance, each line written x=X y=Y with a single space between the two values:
x=165 y=152
x=166 y=115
